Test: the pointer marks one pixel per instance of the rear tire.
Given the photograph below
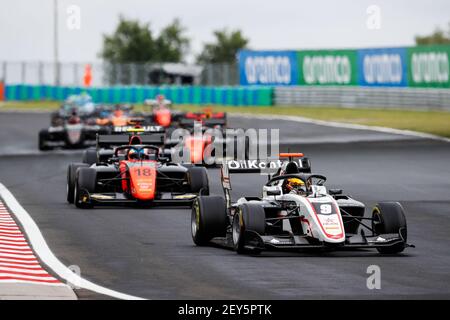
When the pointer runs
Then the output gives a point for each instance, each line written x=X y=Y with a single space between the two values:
x=198 y=180
x=389 y=217
x=71 y=178
x=86 y=179
x=249 y=217
x=208 y=219
x=90 y=156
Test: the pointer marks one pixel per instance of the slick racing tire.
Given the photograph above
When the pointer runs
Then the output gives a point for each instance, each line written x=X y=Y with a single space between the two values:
x=198 y=180
x=71 y=177
x=208 y=219
x=84 y=185
x=43 y=137
x=389 y=217
x=90 y=156
x=249 y=217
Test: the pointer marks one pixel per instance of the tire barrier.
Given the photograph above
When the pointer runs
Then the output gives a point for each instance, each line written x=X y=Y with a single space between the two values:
x=231 y=96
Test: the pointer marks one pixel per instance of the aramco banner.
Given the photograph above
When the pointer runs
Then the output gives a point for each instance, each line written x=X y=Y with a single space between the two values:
x=327 y=67
x=422 y=66
x=429 y=66
x=268 y=67
x=382 y=67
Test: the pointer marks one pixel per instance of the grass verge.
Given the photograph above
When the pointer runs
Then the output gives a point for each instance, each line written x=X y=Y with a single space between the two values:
x=429 y=121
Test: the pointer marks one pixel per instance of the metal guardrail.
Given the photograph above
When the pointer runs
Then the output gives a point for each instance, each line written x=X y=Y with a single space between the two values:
x=369 y=97
x=103 y=74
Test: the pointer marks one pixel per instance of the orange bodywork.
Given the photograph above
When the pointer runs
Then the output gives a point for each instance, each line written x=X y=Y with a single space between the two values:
x=291 y=155
x=163 y=117
x=206 y=114
x=140 y=178
x=119 y=121
x=196 y=147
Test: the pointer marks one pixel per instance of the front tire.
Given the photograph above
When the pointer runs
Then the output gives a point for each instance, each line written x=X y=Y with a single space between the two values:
x=86 y=179
x=249 y=217
x=208 y=219
x=71 y=178
x=389 y=217
x=43 y=138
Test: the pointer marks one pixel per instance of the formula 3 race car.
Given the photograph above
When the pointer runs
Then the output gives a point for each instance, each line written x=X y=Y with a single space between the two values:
x=296 y=212
x=162 y=113
x=135 y=174
x=208 y=145
x=72 y=133
x=208 y=118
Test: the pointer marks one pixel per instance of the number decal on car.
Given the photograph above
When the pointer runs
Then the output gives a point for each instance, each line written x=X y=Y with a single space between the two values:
x=325 y=209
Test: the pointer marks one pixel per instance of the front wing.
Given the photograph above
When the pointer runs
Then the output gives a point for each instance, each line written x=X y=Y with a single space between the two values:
x=294 y=242
x=117 y=198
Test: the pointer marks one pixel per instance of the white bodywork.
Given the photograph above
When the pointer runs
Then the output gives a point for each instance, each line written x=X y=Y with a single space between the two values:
x=319 y=212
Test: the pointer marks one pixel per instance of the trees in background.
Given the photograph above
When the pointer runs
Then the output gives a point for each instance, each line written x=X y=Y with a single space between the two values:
x=224 y=49
x=439 y=36
x=135 y=42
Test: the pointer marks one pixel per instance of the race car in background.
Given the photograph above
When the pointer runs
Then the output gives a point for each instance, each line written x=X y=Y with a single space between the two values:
x=81 y=105
x=72 y=126
x=296 y=212
x=199 y=144
x=136 y=174
x=161 y=112
x=73 y=132
x=208 y=118
x=117 y=116
x=206 y=132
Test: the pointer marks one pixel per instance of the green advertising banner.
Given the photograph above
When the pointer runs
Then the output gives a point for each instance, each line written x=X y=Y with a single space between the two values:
x=328 y=67
x=428 y=66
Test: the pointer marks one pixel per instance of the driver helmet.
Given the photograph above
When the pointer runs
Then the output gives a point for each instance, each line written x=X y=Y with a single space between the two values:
x=294 y=184
x=135 y=154
x=74 y=119
x=140 y=154
x=118 y=113
x=160 y=98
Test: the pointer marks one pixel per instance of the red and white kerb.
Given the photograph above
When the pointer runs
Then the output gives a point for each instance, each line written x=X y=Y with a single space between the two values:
x=18 y=262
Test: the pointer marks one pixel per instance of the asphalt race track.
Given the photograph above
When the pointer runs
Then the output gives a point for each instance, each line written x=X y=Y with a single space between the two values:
x=150 y=254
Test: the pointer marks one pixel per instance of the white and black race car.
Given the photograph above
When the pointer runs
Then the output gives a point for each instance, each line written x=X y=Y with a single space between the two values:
x=296 y=211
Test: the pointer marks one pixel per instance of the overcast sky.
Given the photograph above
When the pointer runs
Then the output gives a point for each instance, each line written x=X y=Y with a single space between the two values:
x=26 y=26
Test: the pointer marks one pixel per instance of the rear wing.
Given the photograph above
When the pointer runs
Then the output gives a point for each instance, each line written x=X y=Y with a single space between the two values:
x=154 y=102
x=263 y=166
x=131 y=129
x=105 y=141
x=266 y=167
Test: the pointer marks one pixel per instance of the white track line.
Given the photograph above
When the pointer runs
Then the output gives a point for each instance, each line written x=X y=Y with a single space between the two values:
x=342 y=125
x=41 y=248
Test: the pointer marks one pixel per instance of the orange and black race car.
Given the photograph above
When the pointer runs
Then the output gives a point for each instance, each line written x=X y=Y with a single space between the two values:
x=207 y=131
x=208 y=118
x=162 y=113
x=120 y=116
x=136 y=174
